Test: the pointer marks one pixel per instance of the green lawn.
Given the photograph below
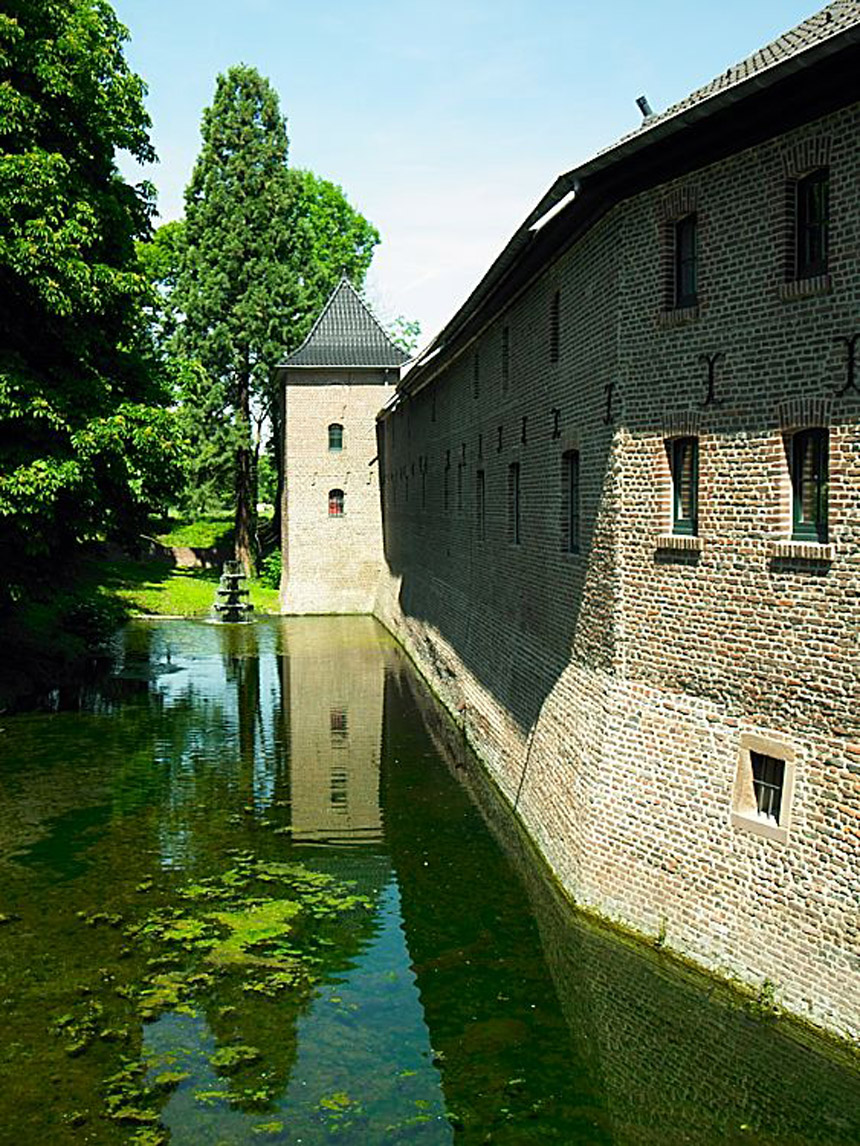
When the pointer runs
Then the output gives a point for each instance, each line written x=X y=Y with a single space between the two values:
x=154 y=587
x=202 y=533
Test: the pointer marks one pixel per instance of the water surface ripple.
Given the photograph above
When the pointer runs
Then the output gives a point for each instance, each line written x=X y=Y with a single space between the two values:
x=254 y=889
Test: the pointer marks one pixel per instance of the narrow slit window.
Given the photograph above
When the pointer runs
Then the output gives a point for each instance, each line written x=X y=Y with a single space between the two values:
x=570 y=501
x=481 y=505
x=684 y=461
x=686 y=261
x=812 y=215
x=335 y=437
x=514 y=522
x=810 y=485
x=335 y=503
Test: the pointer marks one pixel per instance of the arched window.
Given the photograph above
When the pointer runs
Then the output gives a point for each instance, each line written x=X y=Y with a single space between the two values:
x=335 y=436
x=335 y=503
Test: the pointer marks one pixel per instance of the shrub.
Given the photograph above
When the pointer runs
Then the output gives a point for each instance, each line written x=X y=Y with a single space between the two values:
x=270 y=570
x=93 y=621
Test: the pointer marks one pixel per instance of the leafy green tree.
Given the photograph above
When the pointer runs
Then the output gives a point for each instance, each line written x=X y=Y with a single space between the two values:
x=86 y=440
x=405 y=333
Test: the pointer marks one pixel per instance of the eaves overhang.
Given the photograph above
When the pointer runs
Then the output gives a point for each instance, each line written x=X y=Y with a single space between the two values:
x=784 y=95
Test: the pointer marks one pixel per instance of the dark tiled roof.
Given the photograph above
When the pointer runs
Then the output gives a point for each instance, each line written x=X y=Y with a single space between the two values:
x=347 y=334
x=835 y=18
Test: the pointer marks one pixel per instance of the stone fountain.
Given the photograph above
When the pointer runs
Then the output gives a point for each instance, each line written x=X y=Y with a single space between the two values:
x=233 y=607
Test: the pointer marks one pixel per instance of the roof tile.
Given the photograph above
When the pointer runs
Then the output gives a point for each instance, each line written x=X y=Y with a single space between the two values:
x=347 y=334
x=835 y=18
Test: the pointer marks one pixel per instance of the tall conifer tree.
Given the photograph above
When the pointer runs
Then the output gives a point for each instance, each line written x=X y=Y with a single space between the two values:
x=237 y=279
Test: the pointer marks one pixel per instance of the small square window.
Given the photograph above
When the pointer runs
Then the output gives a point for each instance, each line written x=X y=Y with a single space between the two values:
x=684 y=465
x=764 y=787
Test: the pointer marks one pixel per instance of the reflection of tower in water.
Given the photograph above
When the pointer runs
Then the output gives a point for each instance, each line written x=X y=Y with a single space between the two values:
x=336 y=690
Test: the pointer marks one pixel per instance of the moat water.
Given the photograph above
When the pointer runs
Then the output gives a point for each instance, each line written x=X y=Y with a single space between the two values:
x=253 y=889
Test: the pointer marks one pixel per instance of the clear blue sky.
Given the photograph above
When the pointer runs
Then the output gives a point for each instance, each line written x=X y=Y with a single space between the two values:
x=443 y=121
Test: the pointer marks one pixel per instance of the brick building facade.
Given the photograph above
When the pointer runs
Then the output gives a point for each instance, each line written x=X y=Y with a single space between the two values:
x=621 y=524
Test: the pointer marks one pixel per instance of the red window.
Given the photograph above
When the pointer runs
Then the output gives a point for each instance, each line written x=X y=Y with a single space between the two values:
x=335 y=503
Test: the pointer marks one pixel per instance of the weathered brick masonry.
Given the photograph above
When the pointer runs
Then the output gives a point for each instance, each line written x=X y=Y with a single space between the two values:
x=618 y=693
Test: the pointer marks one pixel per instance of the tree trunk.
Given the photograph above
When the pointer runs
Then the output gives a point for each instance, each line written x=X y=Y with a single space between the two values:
x=246 y=494
x=277 y=410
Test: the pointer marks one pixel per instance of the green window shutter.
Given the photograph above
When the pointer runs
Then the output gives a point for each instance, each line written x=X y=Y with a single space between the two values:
x=809 y=485
x=685 y=485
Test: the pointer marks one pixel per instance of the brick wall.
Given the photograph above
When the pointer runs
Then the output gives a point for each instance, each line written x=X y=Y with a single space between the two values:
x=612 y=692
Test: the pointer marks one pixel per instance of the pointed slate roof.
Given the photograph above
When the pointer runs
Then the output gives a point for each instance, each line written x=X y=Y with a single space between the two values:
x=347 y=334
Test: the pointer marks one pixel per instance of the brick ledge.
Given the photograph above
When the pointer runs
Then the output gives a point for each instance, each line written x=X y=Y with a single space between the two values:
x=804 y=288
x=802 y=550
x=677 y=316
x=681 y=541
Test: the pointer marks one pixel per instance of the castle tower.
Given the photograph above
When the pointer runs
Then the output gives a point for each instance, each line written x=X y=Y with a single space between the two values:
x=335 y=384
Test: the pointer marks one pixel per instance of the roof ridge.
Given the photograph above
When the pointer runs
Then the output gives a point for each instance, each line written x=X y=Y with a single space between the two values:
x=321 y=315
x=793 y=41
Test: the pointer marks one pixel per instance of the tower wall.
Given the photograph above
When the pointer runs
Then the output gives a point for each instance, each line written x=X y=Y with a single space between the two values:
x=331 y=563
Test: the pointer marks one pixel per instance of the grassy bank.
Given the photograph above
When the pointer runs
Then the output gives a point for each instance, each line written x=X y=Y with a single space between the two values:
x=59 y=636
x=153 y=587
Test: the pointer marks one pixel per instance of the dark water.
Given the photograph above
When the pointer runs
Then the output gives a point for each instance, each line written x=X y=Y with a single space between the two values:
x=252 y=889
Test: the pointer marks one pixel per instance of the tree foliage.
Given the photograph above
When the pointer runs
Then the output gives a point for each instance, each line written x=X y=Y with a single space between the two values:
x=85 y=439
x=243 y=278
x=328 y=238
